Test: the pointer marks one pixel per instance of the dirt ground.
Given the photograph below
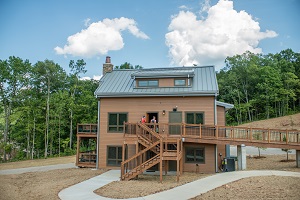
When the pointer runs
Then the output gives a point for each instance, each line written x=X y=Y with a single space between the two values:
x=46 y=185
x=249 y=188
x=286 y=122
x=42 y=185
x=39 y=162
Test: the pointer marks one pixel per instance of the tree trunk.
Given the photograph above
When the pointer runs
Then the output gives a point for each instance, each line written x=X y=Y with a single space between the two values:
x=33 y=138
x=5 y=130
x=28 y=142
x=71 y=127
x=59 y=135
x=47 y=120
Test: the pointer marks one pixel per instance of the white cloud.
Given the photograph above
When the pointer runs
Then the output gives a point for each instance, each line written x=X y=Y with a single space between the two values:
x=95 y=77
x=205 y=6
x=87 y=22
x=224 y=32
x=100 y=37
x=85 y=78
x=183 y=7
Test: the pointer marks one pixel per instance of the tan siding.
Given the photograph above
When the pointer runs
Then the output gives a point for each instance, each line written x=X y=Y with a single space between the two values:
x=163 y=82
x=166 y=82
x=221 y=149
x=221 y=121
x=221 y=116
x=137 y=107
x=208 y=166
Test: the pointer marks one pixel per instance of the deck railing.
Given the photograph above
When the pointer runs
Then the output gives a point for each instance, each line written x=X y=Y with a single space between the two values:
x=229 y=133
x=87 y=128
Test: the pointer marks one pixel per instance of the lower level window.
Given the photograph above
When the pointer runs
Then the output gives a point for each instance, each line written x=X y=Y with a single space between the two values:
x=194 y=155
x=116 y=121
x=114 y=155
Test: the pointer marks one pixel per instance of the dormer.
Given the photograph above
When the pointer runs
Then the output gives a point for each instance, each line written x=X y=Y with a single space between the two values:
x=163 y=78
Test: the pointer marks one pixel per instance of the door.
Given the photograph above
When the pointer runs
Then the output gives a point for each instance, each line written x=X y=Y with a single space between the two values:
x=151 y=115
x=175 y=117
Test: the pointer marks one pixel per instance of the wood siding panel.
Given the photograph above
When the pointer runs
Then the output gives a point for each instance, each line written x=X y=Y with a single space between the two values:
x=166 y=82
x=221 y=148
x=221 y=116
x=208 y=166
x=137 y=107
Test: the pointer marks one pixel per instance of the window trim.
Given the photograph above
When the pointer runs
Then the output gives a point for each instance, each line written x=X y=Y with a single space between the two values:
x=195 y=112
x=180 y=79
x=118 y=125
x=194 y=150
x=117 y=153
x=148 y=85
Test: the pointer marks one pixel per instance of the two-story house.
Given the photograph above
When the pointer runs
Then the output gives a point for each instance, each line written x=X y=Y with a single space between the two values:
x=176 y=97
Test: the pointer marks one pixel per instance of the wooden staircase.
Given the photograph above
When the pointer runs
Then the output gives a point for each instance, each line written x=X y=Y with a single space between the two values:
x=149 y=140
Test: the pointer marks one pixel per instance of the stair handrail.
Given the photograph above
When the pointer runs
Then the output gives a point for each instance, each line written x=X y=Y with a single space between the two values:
x=146 y=128
x=150 y=159
x=141 y=152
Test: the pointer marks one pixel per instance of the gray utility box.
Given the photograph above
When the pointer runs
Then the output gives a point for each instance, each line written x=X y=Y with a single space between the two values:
x=229 y=164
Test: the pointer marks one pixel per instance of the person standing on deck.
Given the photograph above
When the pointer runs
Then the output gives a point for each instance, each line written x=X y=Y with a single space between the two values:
x=143 y=120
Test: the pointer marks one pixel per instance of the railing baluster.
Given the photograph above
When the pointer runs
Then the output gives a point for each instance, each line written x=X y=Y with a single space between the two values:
x=200 y=131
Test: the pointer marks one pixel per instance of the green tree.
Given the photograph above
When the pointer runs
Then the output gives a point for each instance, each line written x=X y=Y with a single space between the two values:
x=49 y=78
x=76 y=69
x=260 y=86
x=14 y=77
x=127 y=65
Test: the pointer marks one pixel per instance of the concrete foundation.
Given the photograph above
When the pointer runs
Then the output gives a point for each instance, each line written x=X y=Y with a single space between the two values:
x=298 y=158
x=241 y=157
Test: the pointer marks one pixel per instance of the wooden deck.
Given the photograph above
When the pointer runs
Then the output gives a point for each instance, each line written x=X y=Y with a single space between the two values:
x=211 y=134
x=166 y=142
x=86 y=156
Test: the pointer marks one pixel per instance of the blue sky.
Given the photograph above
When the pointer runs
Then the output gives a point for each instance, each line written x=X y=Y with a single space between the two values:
x=152 y=33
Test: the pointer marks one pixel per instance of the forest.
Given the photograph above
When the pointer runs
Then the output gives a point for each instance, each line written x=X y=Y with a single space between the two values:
x=260 y=86
x=40 y=104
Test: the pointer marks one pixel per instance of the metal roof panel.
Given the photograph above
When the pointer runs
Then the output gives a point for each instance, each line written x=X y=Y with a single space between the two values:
x=122 y=83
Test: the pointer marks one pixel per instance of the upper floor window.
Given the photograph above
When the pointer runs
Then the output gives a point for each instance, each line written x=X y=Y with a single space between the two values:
x=194 y=118
x=115 y=121
x=180 y=82
x=148 y=83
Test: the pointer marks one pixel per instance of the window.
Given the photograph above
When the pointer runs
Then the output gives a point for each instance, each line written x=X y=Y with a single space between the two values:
x=115 y=121
x=148 y=83
x=194 y=155
x=114 y=155
x=194 y=118
x=180 y=82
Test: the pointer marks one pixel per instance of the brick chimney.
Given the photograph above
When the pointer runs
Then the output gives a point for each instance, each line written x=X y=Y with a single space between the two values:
x=107 y=66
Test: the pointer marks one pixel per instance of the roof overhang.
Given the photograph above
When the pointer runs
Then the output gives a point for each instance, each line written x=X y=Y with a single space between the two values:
x=227 y=106
x=132 y=94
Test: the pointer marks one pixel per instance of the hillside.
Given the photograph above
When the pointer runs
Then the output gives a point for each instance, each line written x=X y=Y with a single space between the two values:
x=286 y=122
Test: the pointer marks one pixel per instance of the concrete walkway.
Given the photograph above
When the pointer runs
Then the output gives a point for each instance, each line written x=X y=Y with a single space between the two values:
x=37 y=169
x=84 y=190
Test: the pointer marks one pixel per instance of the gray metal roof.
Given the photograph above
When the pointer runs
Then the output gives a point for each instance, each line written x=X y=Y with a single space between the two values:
x=227 y=106
x=121 y=83
x=163 y=73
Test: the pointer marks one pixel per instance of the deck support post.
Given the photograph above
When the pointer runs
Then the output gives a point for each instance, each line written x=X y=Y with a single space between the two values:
x=241 y=156
x=166 y=166
x=298 y=158
x=161 y=160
